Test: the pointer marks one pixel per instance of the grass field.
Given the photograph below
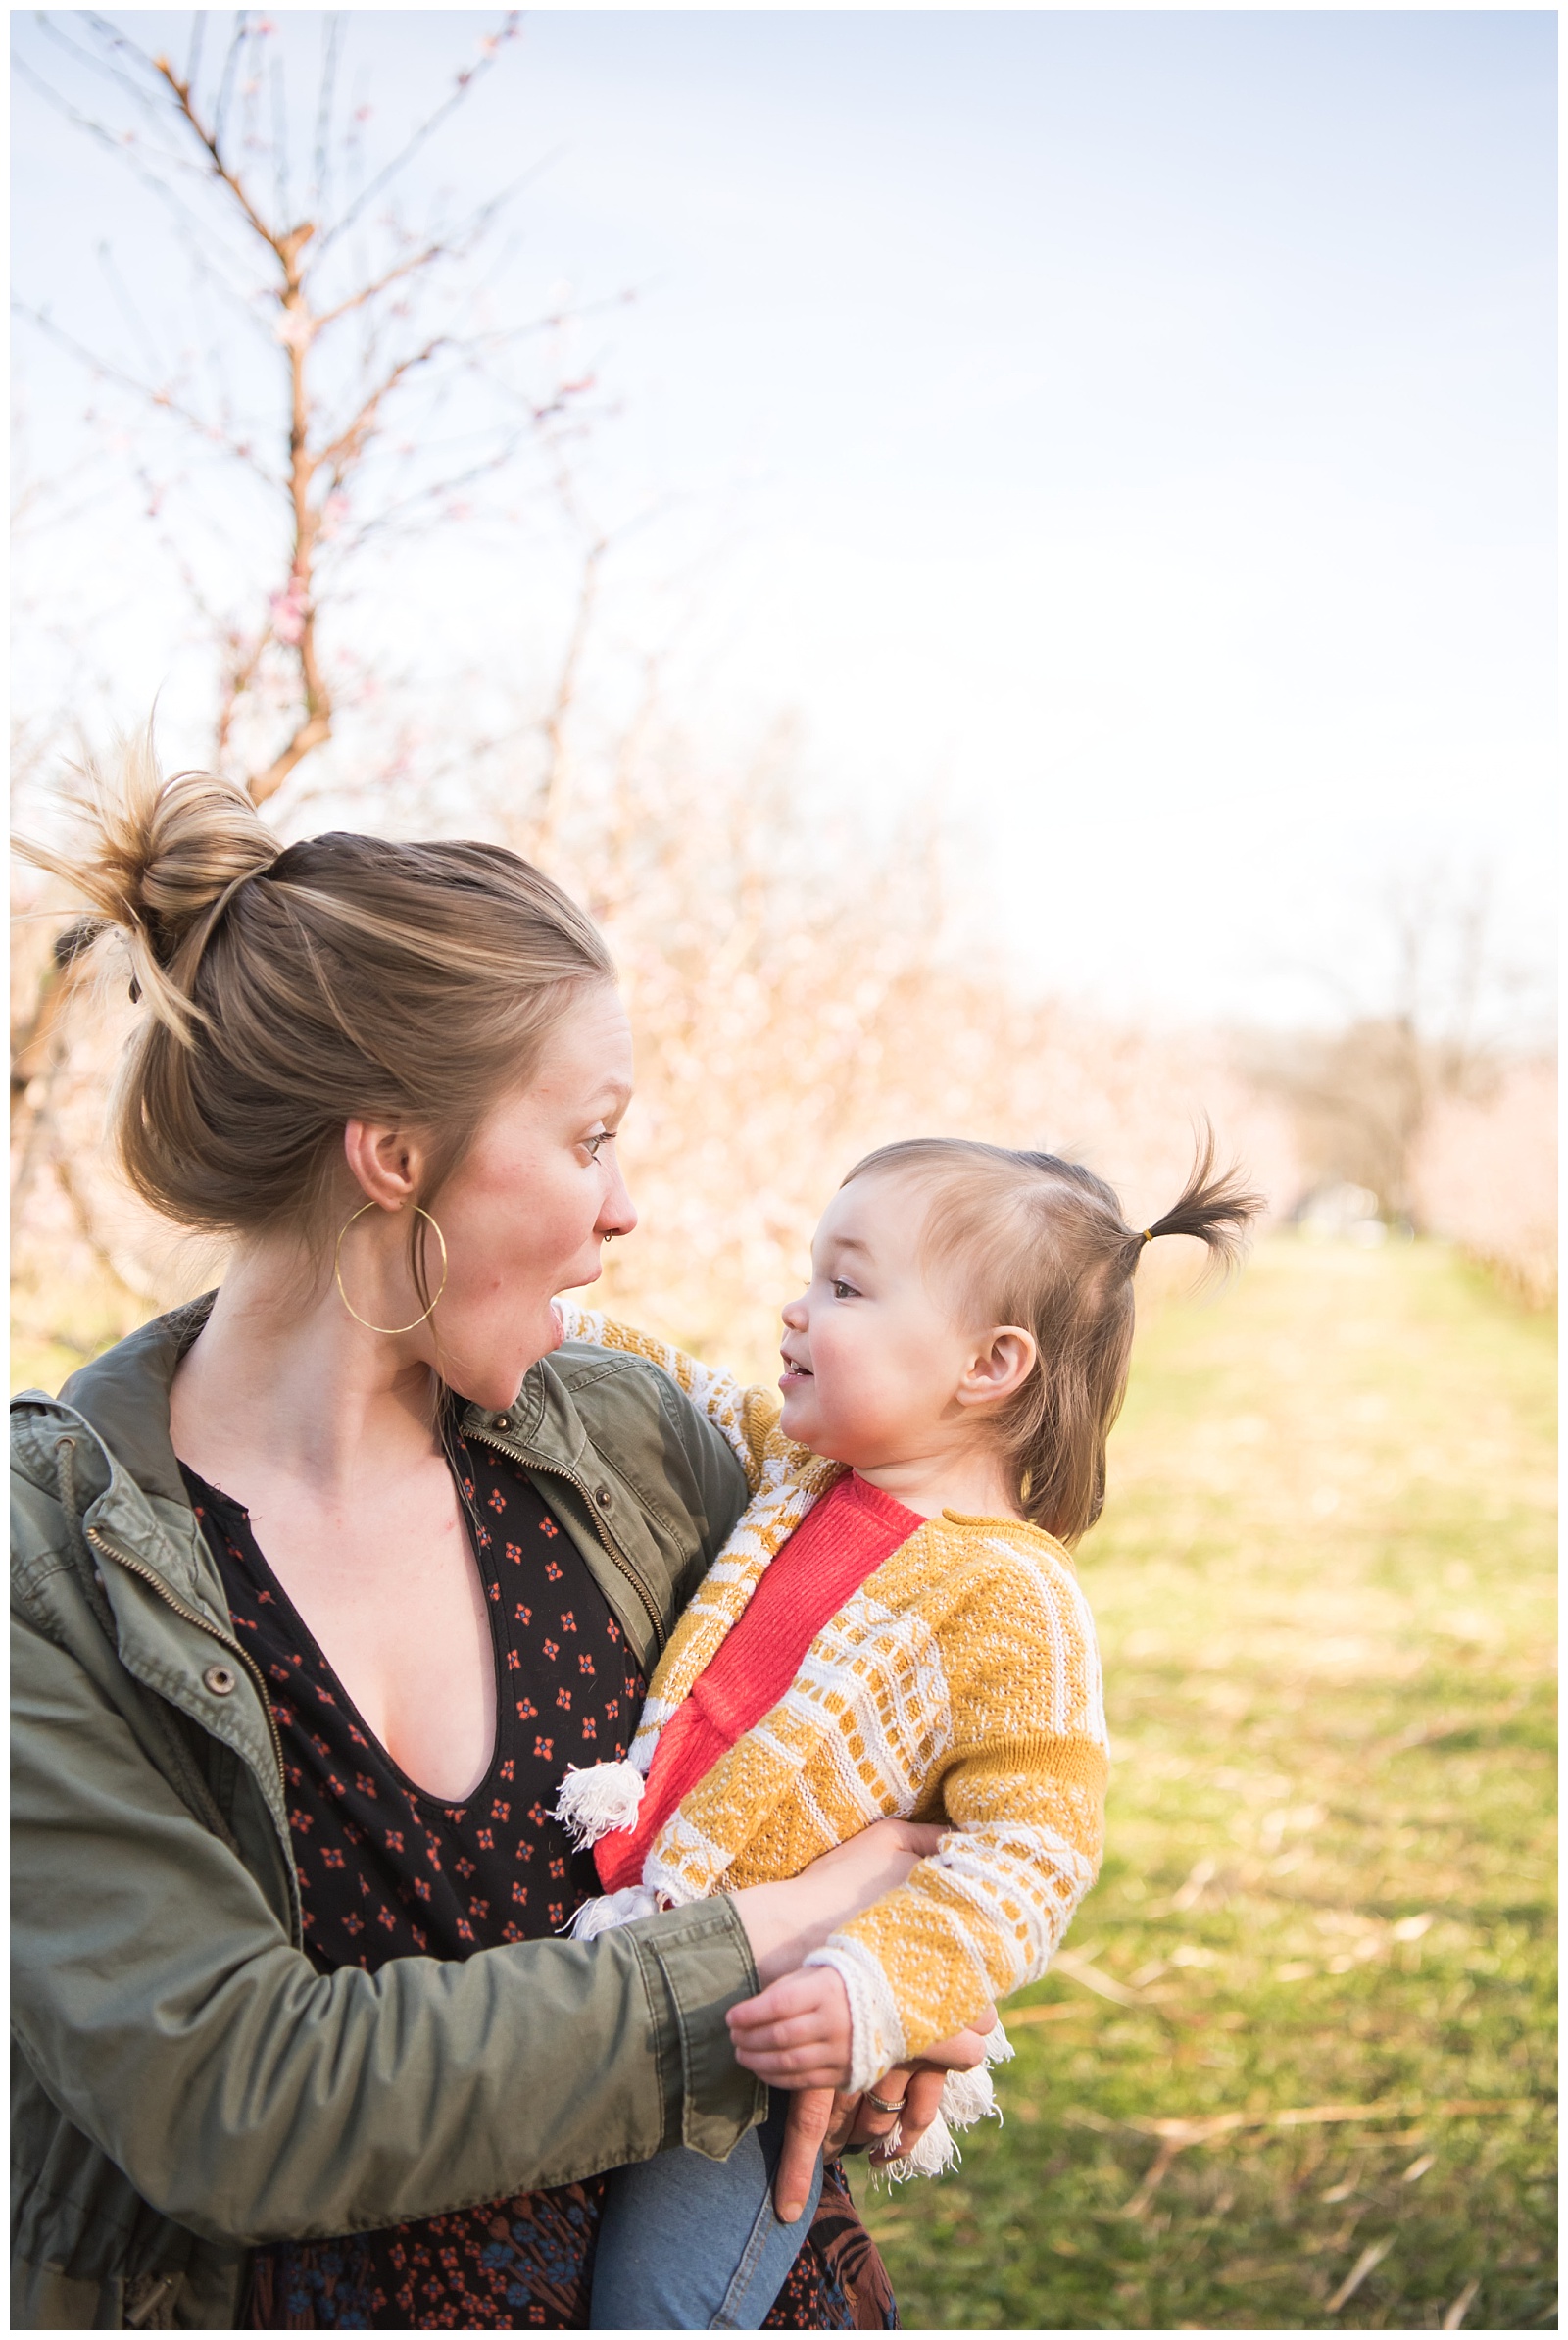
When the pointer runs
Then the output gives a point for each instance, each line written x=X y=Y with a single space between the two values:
x=1324 y=1587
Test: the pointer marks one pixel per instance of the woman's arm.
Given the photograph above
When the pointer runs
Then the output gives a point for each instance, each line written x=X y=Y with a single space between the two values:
x=161 y=2005
x=163 y=2008
x=786 y=1923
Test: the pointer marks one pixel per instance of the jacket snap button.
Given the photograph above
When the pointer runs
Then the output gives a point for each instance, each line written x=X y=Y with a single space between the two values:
x=604 y=1499
x=219 y=1680
x=503 y=1421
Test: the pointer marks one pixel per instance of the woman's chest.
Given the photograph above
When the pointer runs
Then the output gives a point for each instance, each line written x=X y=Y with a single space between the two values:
x=388 y=1868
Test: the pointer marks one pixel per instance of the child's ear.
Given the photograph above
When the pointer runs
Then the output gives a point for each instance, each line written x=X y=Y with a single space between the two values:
x=1002 y=1364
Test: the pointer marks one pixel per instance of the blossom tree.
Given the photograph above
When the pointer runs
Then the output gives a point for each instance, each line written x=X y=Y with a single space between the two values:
x=347 y=379
x=344 y=375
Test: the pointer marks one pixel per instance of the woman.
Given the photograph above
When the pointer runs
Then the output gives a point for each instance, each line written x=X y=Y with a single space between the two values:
x=321 y=1583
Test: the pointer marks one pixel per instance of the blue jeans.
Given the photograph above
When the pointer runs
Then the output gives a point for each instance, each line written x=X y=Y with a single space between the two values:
x=690 y=2245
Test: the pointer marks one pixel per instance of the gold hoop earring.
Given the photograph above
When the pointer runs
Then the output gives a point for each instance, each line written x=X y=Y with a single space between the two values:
x=337 y=1272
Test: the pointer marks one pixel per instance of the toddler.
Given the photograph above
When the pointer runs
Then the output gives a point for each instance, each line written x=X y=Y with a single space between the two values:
x=895 y=1627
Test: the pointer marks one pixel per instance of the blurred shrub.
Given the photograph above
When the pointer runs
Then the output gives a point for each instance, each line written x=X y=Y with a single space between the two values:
x=1486 y=1175
x=1357 y=1096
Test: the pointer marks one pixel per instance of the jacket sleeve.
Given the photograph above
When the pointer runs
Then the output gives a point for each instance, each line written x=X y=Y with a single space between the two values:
x=1023 y=1789
x=746 y=1419
x=158 y=1999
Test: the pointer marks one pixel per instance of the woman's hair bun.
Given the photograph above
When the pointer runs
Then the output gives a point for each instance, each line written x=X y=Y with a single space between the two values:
x=358 y=977
x=157 y=860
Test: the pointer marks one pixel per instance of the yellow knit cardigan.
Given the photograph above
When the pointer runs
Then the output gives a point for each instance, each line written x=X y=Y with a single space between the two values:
x=960 y=1683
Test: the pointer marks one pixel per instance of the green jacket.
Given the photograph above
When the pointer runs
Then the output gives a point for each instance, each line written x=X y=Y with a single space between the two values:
x=185 y=2085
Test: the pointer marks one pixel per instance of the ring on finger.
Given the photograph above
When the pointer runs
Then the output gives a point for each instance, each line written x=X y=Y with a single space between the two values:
x=881 y=2101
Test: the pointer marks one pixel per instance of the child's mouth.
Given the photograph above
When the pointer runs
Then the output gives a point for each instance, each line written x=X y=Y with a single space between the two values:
x=793 y=1373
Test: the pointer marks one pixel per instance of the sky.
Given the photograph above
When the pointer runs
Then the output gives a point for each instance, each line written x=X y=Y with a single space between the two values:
x=1131 y=435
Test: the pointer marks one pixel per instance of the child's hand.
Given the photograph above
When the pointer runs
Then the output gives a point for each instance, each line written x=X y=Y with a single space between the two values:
x=797 y=2032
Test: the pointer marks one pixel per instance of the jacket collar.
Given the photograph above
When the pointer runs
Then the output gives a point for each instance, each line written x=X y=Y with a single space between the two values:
x=123 y=1395
x=541 y=1419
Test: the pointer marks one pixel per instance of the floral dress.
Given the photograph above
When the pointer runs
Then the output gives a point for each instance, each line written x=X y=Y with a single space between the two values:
x=387 y=1871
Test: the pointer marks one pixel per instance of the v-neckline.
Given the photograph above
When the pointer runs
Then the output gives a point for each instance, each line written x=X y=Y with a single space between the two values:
x=279 y=1591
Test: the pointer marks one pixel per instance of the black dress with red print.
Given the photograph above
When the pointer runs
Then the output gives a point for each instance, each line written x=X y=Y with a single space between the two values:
x=387 y=1871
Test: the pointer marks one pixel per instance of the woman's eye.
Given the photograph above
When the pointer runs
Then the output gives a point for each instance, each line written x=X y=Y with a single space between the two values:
x=601 y=1138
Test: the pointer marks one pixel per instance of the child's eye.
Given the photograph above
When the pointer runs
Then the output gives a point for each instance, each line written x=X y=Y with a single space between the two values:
x=842 y=1290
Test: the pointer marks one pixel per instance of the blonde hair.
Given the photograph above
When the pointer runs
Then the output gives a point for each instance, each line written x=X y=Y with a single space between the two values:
x=1031 y=1240
x=288 y=990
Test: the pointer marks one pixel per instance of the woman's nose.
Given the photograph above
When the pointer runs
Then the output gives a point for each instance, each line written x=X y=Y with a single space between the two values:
x=617 y=1214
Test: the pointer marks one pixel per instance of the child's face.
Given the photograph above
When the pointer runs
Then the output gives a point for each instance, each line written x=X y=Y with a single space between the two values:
x=873 y=1357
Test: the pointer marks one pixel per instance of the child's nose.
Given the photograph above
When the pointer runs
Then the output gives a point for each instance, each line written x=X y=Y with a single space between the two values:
x=795 y=1315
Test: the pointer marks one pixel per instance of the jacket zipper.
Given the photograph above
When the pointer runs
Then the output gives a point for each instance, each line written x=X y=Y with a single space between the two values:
x=193 y=1617
x=628 y=1567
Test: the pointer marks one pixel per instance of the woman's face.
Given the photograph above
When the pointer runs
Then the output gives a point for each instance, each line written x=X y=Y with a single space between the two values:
x=526 y=1214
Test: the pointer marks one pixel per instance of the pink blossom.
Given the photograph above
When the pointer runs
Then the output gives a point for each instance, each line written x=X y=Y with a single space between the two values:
x=289 y=609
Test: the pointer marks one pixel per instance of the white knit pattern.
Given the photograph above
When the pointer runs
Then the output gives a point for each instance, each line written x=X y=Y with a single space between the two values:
x=966 y=2096
x=878 y=2030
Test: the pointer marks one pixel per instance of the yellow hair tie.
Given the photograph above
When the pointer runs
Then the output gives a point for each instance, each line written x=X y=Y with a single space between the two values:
x=1149 y=1234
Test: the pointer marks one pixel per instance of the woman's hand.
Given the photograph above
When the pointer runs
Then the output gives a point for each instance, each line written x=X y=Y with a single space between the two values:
x=822 y=2121
x=785 y=1922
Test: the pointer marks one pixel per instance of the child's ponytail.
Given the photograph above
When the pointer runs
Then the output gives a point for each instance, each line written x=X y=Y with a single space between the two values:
x=1216 y=1211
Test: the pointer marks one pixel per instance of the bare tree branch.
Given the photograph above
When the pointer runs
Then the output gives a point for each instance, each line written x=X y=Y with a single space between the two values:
x=320 y=192
x=428 y=129
x=198 y=32
x=164 y=401
x=331 y=422
x=284 y=244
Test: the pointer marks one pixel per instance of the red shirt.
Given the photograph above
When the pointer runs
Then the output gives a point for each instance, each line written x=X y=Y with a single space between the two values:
x=841 y=1541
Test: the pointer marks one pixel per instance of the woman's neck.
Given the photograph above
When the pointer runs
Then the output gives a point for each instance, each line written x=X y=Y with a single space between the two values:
x=281 y=1371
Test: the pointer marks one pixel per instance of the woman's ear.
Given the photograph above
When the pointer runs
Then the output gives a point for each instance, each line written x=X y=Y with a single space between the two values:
x=385 y=1162
x=1002 y=1364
